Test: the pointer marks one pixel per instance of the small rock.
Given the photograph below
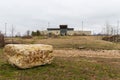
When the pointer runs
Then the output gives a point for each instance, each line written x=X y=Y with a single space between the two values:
x=81 y=47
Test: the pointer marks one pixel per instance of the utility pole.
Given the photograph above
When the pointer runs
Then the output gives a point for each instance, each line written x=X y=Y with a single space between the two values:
x=107 y=28
x=48 y=24
x=117 y=27
x=82 y=26
x=5 y=29
x=12 y=30
x=12 y=33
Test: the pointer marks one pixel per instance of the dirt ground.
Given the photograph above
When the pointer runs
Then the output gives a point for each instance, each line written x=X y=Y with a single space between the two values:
x=88 y=53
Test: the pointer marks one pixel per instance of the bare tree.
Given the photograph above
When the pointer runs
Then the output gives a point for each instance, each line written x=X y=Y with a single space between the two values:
x=2 y=41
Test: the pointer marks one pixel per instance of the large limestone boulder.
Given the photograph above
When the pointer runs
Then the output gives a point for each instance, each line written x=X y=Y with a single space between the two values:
x=28 y=56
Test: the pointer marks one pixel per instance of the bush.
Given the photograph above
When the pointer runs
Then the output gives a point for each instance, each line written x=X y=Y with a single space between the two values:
x=26 y=37
x=115 y=38
x=2 y=41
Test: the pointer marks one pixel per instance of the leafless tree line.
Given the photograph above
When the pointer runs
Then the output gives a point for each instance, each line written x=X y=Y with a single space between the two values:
x=111 y=29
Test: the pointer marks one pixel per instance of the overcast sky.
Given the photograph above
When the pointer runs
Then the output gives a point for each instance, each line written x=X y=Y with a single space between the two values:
x=35 y=14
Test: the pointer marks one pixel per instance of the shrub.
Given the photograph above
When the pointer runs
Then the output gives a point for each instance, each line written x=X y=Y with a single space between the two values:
x=2 y=41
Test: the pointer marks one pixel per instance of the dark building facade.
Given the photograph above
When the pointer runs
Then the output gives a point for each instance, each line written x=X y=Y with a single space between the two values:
x=62 y=28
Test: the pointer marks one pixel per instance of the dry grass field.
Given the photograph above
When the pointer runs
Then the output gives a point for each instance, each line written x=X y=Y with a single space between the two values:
x=76 y=58
x=71 y=42
x=88 y=53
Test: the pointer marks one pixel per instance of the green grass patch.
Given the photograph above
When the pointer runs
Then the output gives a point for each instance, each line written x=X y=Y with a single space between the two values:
x=1 y=50
x=77 y=68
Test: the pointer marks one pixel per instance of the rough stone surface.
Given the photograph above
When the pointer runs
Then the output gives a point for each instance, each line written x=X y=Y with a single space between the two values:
x=28 y=56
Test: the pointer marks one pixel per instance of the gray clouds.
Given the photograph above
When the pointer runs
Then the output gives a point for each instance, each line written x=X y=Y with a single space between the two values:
x=35 y=14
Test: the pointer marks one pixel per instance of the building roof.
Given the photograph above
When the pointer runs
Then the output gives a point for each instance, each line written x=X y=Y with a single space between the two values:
x=70 y=28
x=59 y=28
x=53 y=28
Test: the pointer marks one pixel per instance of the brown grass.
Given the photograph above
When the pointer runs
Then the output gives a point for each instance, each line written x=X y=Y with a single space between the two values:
x=72 y=42
x=98 y=60
x=93 y=62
